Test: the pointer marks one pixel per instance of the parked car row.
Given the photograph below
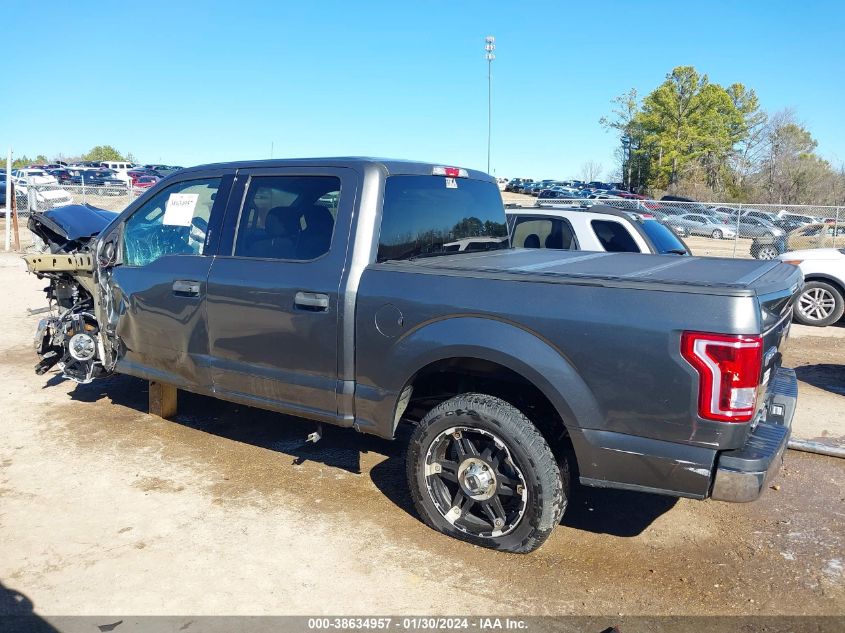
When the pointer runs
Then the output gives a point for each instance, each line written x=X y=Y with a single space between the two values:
x=43 y=185
x=112 y=173
x=569 y=189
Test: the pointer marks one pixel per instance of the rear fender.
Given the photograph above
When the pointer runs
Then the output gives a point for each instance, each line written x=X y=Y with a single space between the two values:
x=497 y=341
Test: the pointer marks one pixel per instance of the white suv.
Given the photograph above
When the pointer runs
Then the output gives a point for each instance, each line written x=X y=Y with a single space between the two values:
x=601 y=228
x=120 y=167
x=822 y=301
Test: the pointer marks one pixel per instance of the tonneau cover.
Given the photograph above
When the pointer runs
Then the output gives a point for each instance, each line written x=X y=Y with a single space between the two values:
x=693 y=274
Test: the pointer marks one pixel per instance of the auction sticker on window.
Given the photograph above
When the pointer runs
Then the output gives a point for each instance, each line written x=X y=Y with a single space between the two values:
x=180 y=209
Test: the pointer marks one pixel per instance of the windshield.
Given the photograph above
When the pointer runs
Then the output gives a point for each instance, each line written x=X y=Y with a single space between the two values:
x=664 y=240
x=426 y=216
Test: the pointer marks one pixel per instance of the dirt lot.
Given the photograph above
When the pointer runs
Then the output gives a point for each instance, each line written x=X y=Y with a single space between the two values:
x=106 y=510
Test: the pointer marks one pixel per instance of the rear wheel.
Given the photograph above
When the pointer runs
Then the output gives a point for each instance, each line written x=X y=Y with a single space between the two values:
x=480 y=471
x=819 y=304
x=716 y=234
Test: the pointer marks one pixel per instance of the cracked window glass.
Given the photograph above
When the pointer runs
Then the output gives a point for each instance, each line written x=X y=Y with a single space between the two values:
x=173 y=222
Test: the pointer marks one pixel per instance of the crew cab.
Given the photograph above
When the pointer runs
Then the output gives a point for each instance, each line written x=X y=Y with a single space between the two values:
x=324 y=288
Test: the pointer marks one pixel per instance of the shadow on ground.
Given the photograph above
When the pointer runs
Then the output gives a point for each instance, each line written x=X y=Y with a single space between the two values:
x=615 y=512
x=18 y=615
x=830 y=377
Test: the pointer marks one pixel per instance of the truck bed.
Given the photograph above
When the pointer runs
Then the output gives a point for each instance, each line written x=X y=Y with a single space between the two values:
x=722 y=276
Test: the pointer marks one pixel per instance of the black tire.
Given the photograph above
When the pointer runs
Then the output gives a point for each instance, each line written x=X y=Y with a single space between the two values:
x=716 y=234
x=819 y=304
x=530 y=510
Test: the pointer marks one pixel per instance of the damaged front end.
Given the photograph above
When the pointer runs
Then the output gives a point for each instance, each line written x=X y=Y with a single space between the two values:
x=70 y=337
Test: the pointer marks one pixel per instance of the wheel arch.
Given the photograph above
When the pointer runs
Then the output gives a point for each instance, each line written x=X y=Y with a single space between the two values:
x=461 y=354
x=828 y=279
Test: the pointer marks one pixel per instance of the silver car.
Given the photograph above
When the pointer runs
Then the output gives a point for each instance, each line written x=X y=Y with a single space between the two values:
x=697 y=224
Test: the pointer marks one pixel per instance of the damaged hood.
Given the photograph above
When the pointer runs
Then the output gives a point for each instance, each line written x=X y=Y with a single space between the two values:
x=70 y=227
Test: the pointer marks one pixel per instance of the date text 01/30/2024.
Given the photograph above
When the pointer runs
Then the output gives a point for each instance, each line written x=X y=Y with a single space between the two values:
x=416 y=623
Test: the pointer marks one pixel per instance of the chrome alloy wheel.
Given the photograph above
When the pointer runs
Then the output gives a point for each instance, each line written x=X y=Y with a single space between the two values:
x=474 y=482
x=816 y=304
x=767 y=252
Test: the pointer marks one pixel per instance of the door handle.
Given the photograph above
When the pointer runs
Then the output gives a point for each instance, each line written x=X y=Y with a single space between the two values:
x=313 y=301
x=183 y=288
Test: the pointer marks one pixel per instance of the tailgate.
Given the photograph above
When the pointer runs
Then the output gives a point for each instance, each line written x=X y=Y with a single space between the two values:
x=777 y=290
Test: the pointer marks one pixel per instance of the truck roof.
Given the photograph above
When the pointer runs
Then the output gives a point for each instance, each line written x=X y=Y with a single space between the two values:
x=390 y=166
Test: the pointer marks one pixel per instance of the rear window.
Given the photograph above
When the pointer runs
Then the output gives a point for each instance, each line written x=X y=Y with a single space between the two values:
x=664 y=240
x=614 y=237
x=426 y=216
x=553 y=233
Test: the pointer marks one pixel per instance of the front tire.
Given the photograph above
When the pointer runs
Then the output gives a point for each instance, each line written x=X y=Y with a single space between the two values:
x=819 y=304
x=480 y=471
x=716 y=235
x=767 y=252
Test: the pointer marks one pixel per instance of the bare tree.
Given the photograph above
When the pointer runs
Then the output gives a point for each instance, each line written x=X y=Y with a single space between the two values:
x=591 y=170
x=623 y=122
x=790 y=167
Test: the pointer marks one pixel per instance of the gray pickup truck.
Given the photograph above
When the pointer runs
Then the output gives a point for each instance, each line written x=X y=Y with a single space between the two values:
x=367 y=293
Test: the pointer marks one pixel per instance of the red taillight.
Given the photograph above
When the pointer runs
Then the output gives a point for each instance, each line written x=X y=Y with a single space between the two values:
x=729 y=373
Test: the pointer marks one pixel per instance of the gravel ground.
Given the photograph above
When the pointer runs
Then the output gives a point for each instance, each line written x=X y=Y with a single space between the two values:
x=225 y=510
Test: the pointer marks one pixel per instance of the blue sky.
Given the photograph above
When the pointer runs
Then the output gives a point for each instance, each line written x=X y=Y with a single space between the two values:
x=196 y=82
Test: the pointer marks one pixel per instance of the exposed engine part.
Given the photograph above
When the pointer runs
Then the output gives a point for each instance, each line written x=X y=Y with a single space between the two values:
x=82 y=346
x=71 y=337
x=71 y=341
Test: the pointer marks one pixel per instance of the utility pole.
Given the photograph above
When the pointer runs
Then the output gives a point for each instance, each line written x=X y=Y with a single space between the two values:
x=489 y=47
x=8 y=198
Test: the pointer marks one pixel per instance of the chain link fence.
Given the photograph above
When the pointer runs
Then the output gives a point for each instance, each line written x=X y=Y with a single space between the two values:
x=39 y=198
x=725 y=229
x=716 y=229
x=31 y=199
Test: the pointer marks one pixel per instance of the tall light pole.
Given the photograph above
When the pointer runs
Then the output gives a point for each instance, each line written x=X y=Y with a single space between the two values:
x=489 y=47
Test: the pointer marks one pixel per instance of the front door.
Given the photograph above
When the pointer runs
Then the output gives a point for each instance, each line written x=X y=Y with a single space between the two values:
x=273 y=291
x=153 y=309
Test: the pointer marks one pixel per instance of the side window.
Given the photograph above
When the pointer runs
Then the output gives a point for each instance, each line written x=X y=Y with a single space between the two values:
x=543 y=233
x=288 y=217
x=614 y=237
x=174 y=222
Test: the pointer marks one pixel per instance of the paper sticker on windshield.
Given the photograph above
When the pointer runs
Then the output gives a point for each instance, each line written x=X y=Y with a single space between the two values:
x=451 y=183
x=180 y=209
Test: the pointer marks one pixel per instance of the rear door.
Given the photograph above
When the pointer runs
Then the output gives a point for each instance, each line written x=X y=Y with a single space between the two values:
x=156 y=288
x=273 y=292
